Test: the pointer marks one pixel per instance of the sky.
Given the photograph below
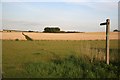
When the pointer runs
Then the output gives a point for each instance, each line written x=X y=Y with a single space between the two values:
x=72 y=15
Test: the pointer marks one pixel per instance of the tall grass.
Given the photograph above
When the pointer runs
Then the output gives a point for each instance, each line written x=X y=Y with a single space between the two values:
x=59 y=59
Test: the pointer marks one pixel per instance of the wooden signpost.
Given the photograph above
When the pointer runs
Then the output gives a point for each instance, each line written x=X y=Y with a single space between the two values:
x=107 y=23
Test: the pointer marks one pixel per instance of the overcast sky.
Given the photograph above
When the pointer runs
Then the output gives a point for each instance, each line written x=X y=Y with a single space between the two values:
x=75 y=15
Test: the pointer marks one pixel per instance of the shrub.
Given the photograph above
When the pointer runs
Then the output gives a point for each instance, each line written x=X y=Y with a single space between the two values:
x=70 y=67
x=16 y=39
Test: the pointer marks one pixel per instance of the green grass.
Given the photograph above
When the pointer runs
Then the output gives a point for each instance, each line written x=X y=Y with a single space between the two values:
x=58 y=59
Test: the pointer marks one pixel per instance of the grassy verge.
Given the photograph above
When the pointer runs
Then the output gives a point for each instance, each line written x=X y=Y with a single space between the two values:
x=58 y=59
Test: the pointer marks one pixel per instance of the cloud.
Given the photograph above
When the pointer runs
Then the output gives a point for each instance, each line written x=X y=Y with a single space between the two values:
x=103 y=6
x=21 y=25
x=67 y=15
x=97 y=6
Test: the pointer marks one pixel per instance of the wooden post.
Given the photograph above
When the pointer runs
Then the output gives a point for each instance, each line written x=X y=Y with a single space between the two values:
x=107 y=39
x=107 y=23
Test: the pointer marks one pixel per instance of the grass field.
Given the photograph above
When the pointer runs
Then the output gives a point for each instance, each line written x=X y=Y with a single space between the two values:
x=59 y=59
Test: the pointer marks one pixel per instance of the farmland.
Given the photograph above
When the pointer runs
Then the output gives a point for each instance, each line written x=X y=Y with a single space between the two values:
x=70 y=39
x=59 y=59
x=59 y=36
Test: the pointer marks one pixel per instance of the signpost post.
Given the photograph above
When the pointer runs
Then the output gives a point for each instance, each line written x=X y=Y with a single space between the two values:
x=107 y=23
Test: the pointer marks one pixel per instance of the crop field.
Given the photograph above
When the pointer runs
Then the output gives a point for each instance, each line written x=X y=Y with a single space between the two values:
x=59 y=36
x=59 y=59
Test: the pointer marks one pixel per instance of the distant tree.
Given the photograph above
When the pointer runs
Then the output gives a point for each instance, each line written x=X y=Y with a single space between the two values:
x=116 y=30
x=30 y=31
x=52 y=29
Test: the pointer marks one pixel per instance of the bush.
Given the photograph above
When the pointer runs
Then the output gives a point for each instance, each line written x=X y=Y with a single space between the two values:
x=16 y=39
x=71 y=67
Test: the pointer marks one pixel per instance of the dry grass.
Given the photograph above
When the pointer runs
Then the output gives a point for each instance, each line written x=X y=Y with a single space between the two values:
x=58 y=36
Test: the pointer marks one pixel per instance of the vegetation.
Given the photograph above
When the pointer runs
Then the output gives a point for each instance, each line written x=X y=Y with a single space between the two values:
x=116 y=30
x=52 y=29
x=59 y=59
x=16 y=39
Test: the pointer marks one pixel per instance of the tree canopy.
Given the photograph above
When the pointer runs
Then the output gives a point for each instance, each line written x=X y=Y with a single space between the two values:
x=52 y=29
x=116 y=30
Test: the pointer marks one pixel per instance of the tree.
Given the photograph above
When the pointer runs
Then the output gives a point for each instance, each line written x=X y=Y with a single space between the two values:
x=116 y=30
x=52 y=29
